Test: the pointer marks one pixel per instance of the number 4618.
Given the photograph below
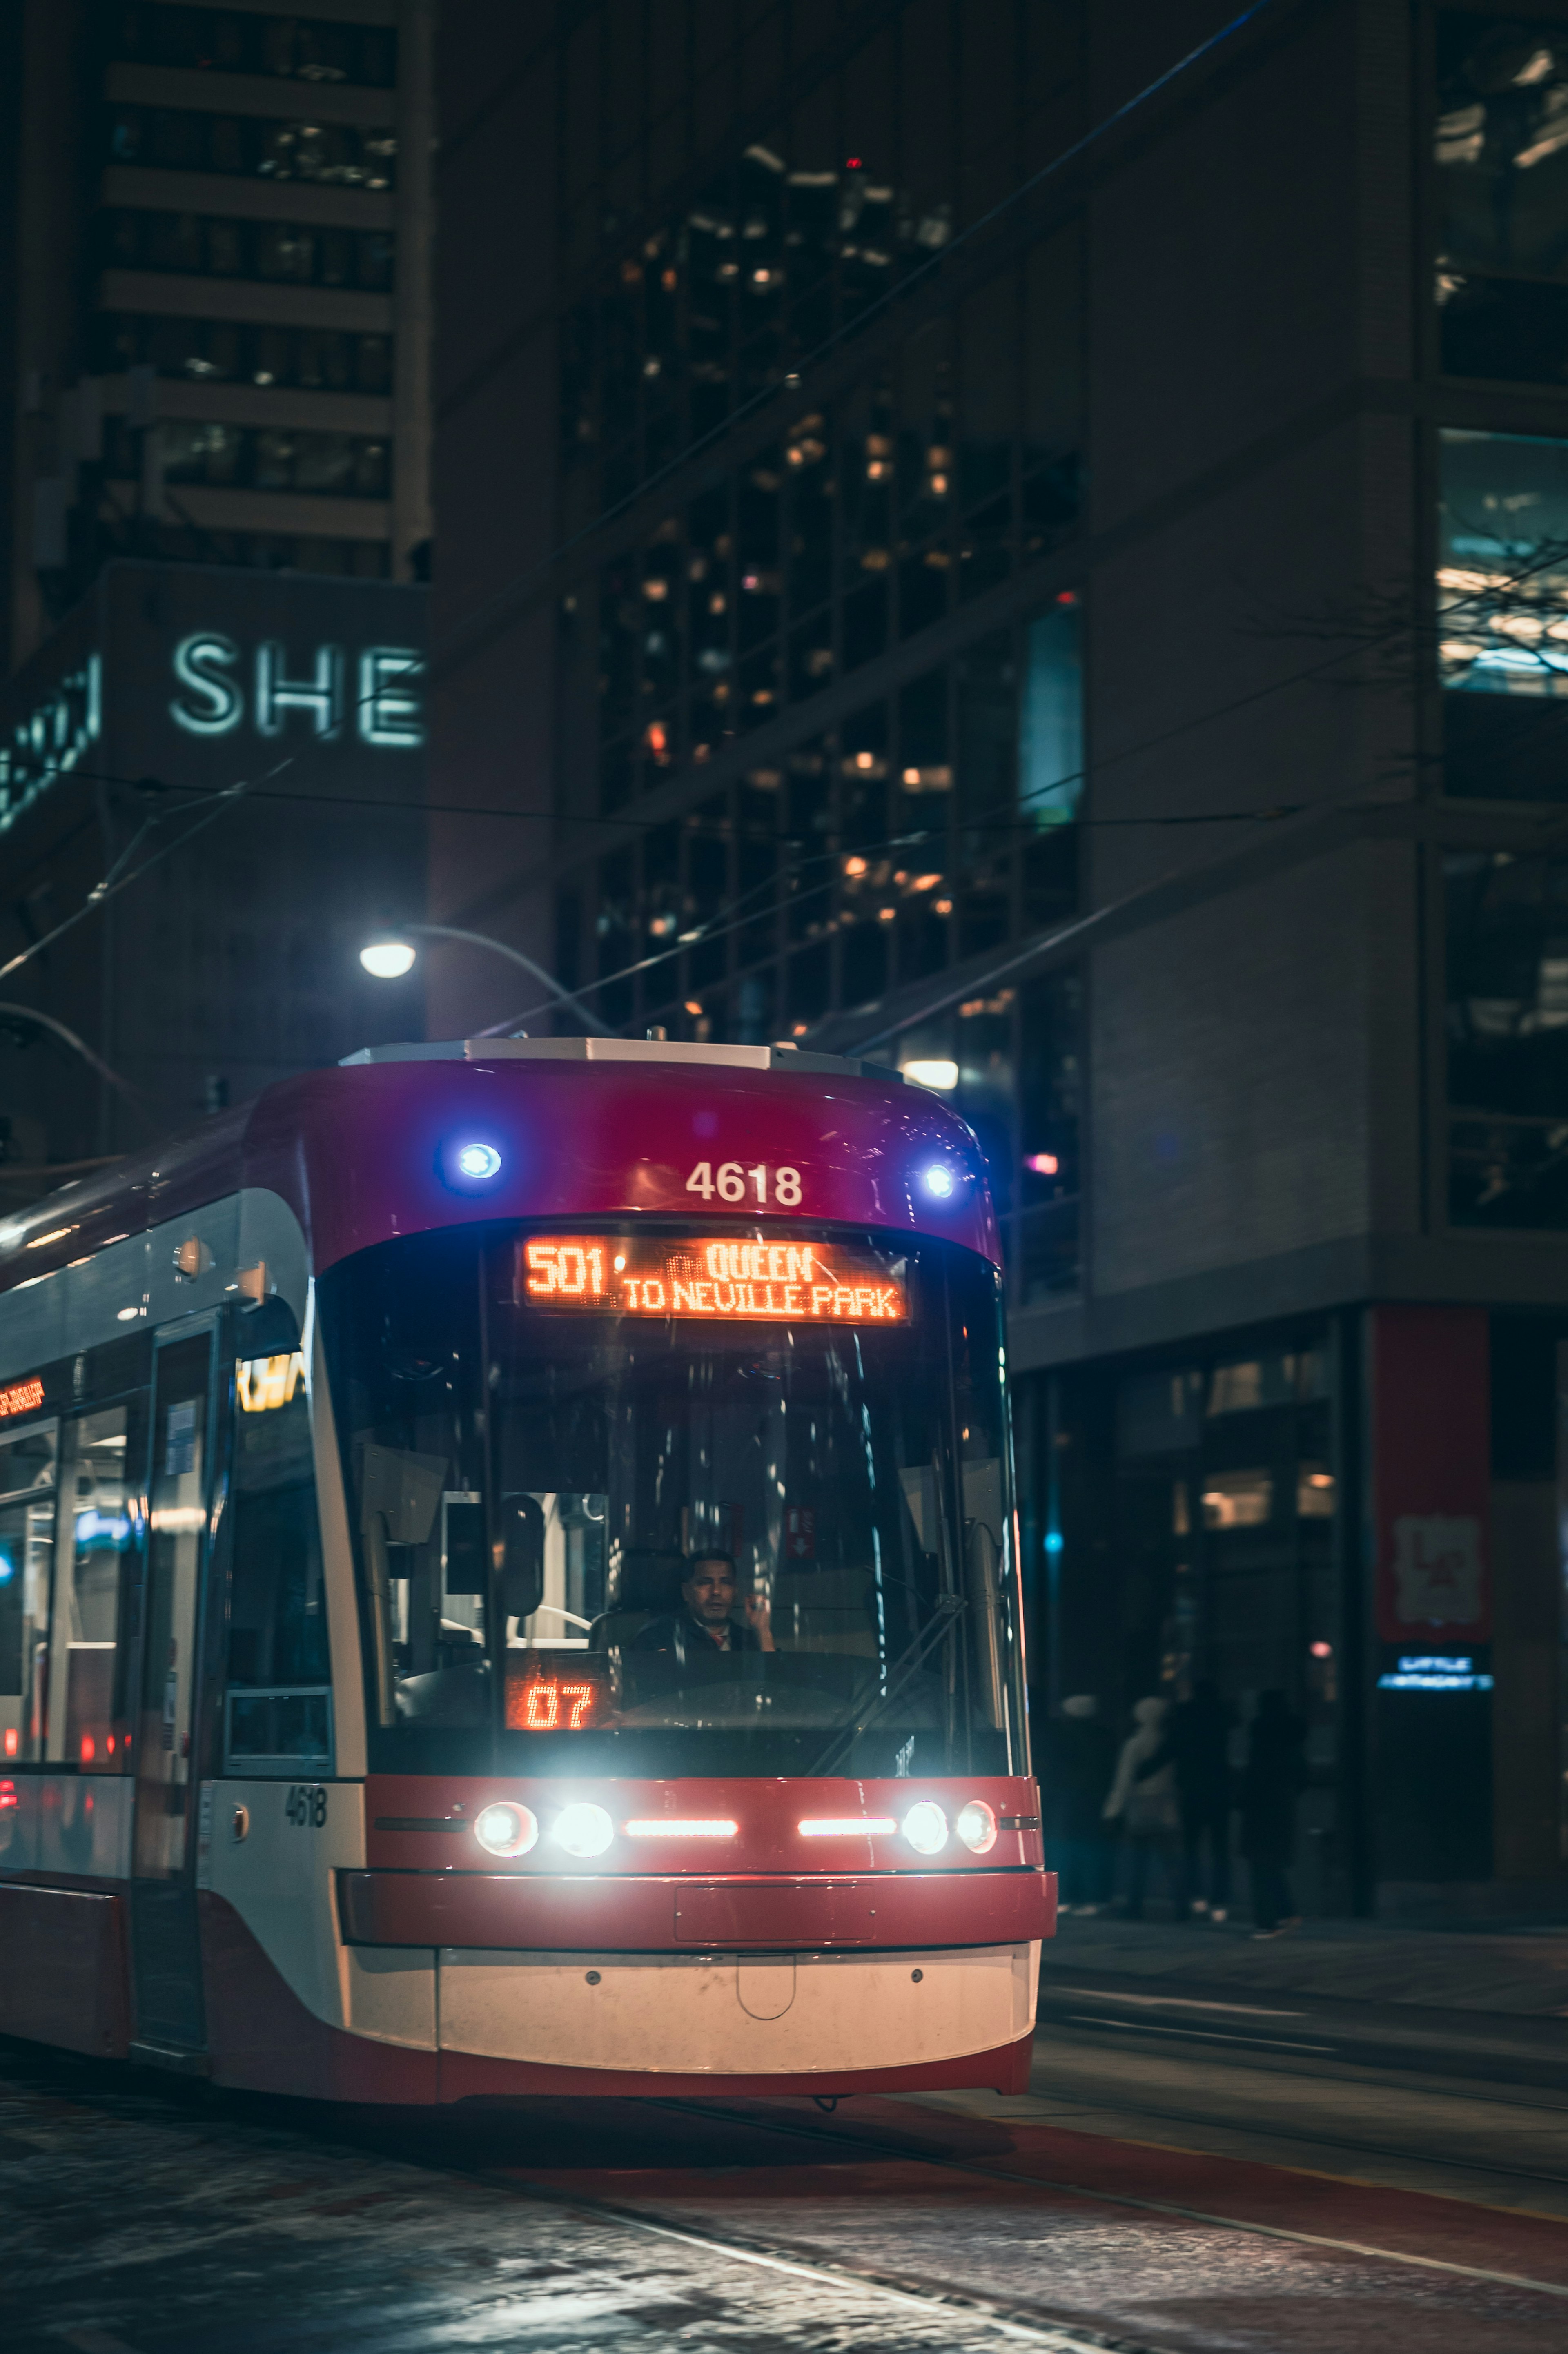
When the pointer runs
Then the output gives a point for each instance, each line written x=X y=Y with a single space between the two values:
x=733 y=1183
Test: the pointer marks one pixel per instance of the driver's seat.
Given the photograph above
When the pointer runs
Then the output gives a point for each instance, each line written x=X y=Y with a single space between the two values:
x=646 y=1584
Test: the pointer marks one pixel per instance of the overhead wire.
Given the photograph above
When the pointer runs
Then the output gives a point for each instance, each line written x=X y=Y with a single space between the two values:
x=848 y=329
x=225 y=797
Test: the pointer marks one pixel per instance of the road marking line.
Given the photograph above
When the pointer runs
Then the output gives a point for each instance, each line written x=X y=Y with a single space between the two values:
x=1168 y=2001
x=1198 y=2035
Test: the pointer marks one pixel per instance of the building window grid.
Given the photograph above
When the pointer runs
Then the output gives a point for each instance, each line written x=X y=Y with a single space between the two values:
x=783 y=581
x=641 y=378
x=323 y=54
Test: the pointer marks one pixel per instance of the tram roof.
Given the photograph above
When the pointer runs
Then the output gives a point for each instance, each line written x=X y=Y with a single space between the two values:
x=583 y=1127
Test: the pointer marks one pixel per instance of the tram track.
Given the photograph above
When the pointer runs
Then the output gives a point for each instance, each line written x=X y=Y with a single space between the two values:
x=911 y=2153
x=1012 y=2321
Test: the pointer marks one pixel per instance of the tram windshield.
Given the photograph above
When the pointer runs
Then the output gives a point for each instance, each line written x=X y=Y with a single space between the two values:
x=649 y=1501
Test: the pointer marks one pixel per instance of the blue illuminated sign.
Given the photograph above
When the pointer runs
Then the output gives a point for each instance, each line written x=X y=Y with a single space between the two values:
x=386 y=709
x=51 y=741
x=1433 y=1674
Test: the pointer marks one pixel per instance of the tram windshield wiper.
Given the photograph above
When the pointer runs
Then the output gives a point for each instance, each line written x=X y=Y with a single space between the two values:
x=899 y=1676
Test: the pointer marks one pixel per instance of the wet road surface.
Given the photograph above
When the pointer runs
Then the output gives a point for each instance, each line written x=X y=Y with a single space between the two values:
x=1162 y=2192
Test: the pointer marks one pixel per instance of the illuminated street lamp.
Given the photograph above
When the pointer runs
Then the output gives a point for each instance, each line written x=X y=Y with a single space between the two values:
x=392 y=954
x=387 y=960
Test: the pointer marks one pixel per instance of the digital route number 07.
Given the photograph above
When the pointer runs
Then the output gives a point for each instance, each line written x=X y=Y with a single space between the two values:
x=732 y=1183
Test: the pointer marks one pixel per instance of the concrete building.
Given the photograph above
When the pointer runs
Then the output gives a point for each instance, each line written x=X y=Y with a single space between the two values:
x=211 y=795
x=215 y=292
x=959 y=540
x=215 y=308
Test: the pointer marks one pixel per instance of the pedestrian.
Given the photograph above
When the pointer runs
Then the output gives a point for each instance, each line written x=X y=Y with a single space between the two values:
x=1272 y=1783
x=1076 y=1767
x=1198 y=1744
x=1144 y=1809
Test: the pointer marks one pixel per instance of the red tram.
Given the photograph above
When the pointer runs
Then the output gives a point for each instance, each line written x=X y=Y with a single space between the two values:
x=508 y=1583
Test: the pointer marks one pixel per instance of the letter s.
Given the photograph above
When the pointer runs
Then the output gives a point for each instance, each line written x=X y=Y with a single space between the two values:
x=212 y=703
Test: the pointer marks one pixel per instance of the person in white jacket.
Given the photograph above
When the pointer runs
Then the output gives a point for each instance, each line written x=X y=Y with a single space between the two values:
x=1144 y=1808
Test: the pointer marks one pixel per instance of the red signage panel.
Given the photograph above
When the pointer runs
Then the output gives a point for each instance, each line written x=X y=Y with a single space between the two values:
x=1431 y=1433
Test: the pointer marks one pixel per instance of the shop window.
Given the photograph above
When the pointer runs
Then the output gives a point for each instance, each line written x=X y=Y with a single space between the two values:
x=89 y=1712
x=1159 y=1414
x=1502 y=623
x=1501 y=142
x=1285 y=1378
x=1238 y=1499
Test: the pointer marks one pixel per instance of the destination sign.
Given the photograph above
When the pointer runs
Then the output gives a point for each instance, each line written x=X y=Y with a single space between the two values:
x=722 y=1280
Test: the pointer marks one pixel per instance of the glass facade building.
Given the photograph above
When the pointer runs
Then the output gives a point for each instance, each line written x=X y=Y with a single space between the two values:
x=1086 y=625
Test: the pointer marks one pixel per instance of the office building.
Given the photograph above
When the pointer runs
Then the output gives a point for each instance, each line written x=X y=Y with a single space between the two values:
x=238 y=757
x=1083 y=622
x=218 y=287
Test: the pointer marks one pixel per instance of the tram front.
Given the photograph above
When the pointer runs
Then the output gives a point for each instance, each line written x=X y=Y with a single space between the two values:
x=686 y=1597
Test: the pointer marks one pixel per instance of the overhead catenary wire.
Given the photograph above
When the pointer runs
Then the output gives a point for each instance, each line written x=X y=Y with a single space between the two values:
x=1060 y=163
x=227 y=796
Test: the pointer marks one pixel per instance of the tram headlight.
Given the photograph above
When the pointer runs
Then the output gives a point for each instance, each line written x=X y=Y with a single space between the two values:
x=939 y=1181
x=977 y=1827
x=925 y=1827
x=582 y=1828
x=505 y=1829
x=478 y=1160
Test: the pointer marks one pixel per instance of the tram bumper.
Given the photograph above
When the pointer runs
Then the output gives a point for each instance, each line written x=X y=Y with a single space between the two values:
x=770 y=2016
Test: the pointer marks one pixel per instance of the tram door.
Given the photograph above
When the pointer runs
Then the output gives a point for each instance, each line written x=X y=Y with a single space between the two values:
x=167 y=1961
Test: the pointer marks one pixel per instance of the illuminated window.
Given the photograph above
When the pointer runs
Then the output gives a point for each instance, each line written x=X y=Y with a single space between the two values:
x=278 y=1706
x=26 y=1549
x=1502 y=612
x=89 y=1713
x=1238 y=1499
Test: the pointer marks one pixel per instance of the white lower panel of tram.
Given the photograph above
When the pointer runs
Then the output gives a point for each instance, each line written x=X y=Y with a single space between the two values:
x=771 y=2015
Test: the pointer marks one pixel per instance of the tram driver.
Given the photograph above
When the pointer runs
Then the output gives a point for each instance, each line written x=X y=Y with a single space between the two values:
x=706 y=1616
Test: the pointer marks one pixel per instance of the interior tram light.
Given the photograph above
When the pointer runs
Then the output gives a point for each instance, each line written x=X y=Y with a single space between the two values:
x=932 y=1071
x=582 y=1828
x=505 y=1829
x=387 y=960
x=977 y=1827
x=925 y=1827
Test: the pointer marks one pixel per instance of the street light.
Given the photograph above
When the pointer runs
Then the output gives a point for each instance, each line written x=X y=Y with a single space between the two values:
x=387 y=960
x=392 y=954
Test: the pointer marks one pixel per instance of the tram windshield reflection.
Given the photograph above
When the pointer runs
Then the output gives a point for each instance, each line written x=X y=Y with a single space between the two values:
x=533 y=1475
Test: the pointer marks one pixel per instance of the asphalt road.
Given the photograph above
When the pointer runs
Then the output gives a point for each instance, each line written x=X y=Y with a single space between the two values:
x=1187 y=2173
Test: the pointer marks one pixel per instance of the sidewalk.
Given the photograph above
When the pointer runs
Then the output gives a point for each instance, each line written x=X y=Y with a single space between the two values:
x=1521 y=1972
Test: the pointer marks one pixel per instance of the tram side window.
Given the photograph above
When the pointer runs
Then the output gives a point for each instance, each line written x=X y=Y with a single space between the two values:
x=27 y=1545
x=278 y=1705
x=89 y=1707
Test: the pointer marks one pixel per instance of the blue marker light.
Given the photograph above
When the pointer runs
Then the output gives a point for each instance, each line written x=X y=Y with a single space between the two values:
x=939 y=1179
x=478 y=1162
x=7 y=1569
x=1053 y=1540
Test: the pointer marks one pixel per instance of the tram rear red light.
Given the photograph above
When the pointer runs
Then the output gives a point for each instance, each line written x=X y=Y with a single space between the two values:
x=13 y=1740
x=7 y=1796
